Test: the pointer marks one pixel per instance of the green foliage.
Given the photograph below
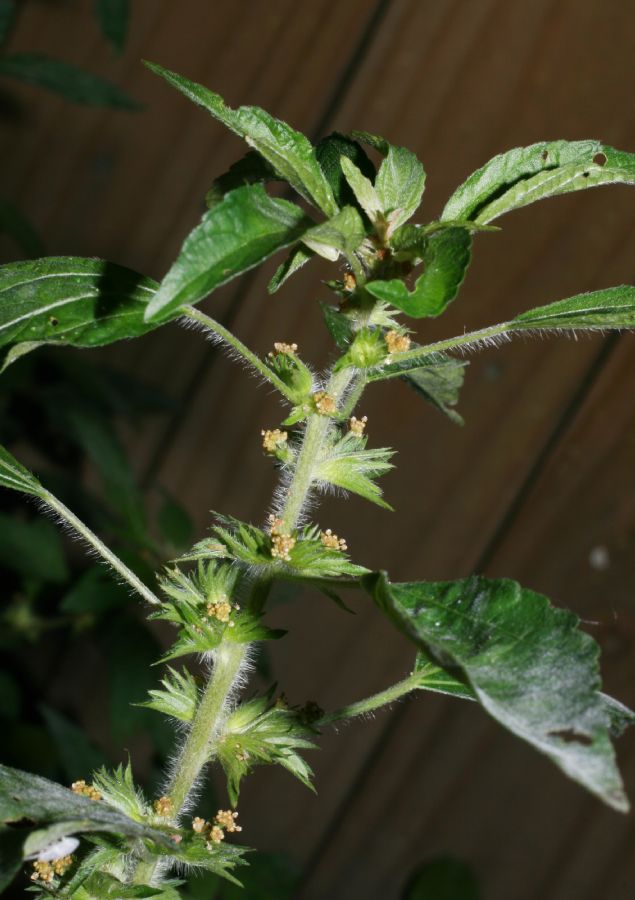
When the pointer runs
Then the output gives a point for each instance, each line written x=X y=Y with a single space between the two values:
x=120 y=792
x=399 y=185
x=263 y=732
x=512 y=647
x=446 y=256
x=65 y=79
x=289 y=152
x=250 y=169
x=341 y=234
x=245 y=228
x=334 y=153
x=113 y=17
x=437 y=377
x=525 y=174
x=294 y=374
x=13 y=475
x=346 y=463
x=610 y=308
x=179 y=696
x=71 y=301
x=297 y=258
x=433 y=677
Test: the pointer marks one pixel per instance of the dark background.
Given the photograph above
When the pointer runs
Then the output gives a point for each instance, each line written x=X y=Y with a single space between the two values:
x=540 y=483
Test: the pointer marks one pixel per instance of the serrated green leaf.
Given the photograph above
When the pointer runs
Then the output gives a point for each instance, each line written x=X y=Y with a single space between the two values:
x=347 y=464
x=343 y=233
x=339 y=325
x=65 y=79
x=330 y=153
x=113 y=17
x=372 y=140
x=17 y=226
x=287 y=150
x=179 y=697
x=446 y=256
x=528 y=663
x=250 y=169
x=119 y=791
x=259 y=732
x=27 y=796
x=608 y=308
x=71 y=301
x=14 y=476
x=244 y=229
x=435 y=678
x=507 y=181
x=362 y=189
x=437 y=377
x=298 y=257
x=193 y=851
x=399 y=185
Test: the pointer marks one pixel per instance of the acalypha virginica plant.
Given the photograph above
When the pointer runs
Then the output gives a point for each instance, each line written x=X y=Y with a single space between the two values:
x=488 y=641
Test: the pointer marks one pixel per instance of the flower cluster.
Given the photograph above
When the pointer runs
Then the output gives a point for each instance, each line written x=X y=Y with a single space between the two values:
x=397 y=342
x=45 y=871
x=357 y=426
x=282 y=543
x=283 y=348
x=85 y=790
x=224 y=821
x=273 y=439
x=163 y=807
x=324 y=404
x=332 y=541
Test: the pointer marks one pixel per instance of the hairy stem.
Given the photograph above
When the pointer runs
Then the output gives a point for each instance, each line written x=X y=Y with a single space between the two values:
x=315 y=434
x=91 y=538
x=195 y=315
x=210 y=713
x=461 y=340
x=361 y=707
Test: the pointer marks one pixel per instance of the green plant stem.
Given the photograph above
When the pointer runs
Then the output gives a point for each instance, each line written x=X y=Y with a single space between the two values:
x=317 y=429
x=461 y=340
x=195 y=315
x=210 y=713
x=361 y=707
x=91 y=538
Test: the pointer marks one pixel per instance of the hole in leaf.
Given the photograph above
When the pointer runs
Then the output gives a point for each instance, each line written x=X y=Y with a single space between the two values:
x=569 y=736
x=585 y=174
x=53 y=321
x=545 y=155
x=599 y=159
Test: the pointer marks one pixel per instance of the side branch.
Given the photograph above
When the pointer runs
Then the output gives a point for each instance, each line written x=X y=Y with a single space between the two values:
x=194 y=315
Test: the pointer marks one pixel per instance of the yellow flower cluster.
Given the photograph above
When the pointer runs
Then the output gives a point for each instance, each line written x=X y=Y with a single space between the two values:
x=332 y=541
x=86 y=790
x=224 y=821
x=272 y=439
x=163 y=807
x=282 y=543
x=283 y=347
x=325 y=405
x=46 y=871
x=396 y=342
x=357 y=426
x=221 y=611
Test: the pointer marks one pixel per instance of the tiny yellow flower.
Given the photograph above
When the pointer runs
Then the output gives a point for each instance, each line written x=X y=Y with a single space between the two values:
x=273 y=439
x=43 y=871
x=163 y=807
x=325 y=405
x=62 y=864
x=199 y=825
x=350 y=282
x=283 y=348
x=357 y=426
x=226 y=818
x=221 y=611
x=216 y=835
x=85 y=790
x=396 y=342
x=332 y=541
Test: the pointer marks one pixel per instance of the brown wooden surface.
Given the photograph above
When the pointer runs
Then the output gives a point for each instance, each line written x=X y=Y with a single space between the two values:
x=541 y=474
